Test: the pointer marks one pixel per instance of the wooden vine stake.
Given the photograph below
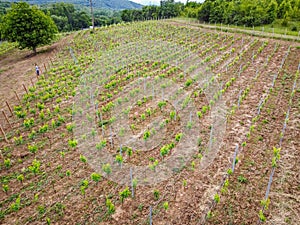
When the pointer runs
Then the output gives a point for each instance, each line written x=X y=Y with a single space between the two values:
x=2 y=131
x=17 y=96
x=25 y=88
x=9 y=108
x=45 y=67
x=32 y=83
x=6 y=118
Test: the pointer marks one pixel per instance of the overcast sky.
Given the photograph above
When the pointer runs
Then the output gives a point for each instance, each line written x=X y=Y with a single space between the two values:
x=156 y=2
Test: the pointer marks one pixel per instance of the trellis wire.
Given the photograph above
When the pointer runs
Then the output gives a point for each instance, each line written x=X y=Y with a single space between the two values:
x=131 y=181
x=150 y=216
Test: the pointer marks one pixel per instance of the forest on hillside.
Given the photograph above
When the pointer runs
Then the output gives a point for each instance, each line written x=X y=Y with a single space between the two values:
x=236 y=12
x=249 y=12
x=68 y=17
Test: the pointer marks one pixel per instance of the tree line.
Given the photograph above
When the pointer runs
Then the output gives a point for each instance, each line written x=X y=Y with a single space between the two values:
x=236 y=12
x=167 y=9
x=248 y=12
x=68 y=18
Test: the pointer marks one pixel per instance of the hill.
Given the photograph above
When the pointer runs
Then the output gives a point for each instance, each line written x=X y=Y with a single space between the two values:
x=161 y=121
x=108 y=4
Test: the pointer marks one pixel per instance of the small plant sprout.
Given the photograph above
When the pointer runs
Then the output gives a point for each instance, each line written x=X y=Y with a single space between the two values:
x=42 y=115
x=7 y=163
x=184 y=183
x=193 y=165
x=101 y=145
x=172 y=115
x=148 y=112
x=28 y=123
x=166 y=149
x=161 y=104
x=223 y=190
x=236 y=160
x=83 y=159
x=122 y=132
x=156 y=194
x=276 y=152
x=132 y=126
x=199 y=114
x=96 y=177
x=166 y=205
x=204 y=109
x=70 y=127
x=129 y=152
x=229 y=171
x=33 y=148
x=274 y=162
x=178 y=136
x=124 y=194
x=139 y=102
x=43 y=129
x=265 y=203
x=35 y=167
x=62 y=154
x=143 y=116
x=119 y=159
x=5 y=188
x=20 y=178
x=217 y=198
x=188 y=82
x=68 y=173
x=110 y=206
x=226 y=183
x=134 y=183
x=32 y=135
x=189 y=125
x=242 y=179
x=93 y=132
x=48 y=220
x=153 y=165
x=209 y=215
x=146 y=135
x=18 y=140
x=248 y=135
x=72 y=143
x=16 y=205
x=261 y=216
x=140 y=207
x=40 y=106
x=36 y=197
x=199 y=156
x=107 y=168
x=83 y=186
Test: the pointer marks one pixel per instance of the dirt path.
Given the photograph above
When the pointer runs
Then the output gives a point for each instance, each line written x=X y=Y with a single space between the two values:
x=18 y=68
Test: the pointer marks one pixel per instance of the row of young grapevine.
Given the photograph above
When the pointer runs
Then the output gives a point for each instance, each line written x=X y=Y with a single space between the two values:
x=248 y=134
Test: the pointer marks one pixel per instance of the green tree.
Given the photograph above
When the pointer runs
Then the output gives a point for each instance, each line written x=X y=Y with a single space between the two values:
x=271 y=11
x=28 y=26
x=205 y=11
x=284 y=9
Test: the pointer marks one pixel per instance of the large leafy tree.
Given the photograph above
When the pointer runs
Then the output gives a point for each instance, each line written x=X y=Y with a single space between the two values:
x=28 y=26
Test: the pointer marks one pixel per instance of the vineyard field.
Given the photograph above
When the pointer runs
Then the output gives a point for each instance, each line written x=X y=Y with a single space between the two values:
x=154 y=122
